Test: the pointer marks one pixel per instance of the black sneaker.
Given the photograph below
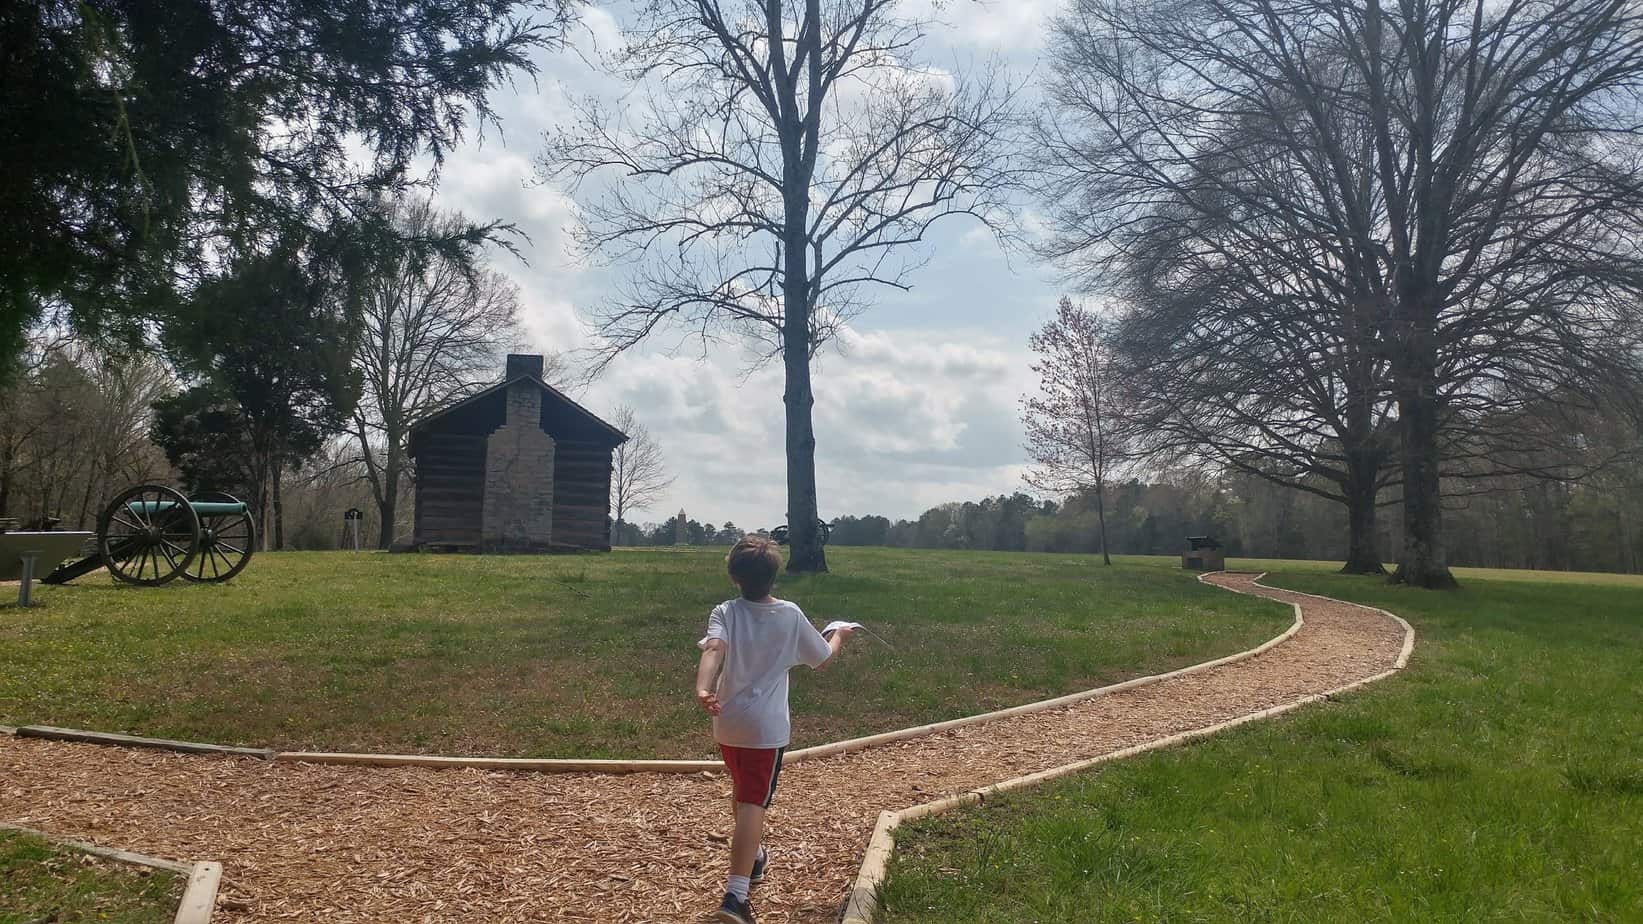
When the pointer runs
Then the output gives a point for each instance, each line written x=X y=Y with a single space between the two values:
x=733 y=910
x=759 y=863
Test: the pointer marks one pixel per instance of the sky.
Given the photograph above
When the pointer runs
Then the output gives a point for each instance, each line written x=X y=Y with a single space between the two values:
x=917 y=402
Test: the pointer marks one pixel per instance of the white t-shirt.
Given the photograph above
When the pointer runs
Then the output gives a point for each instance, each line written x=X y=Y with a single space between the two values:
x=763 y=641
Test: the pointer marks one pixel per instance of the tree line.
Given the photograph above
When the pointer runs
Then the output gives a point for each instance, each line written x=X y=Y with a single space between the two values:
x=668 y=533
x=1593 y=525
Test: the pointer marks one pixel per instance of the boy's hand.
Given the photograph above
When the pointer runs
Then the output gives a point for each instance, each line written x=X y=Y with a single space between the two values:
x=839 y=627
x=709 y=701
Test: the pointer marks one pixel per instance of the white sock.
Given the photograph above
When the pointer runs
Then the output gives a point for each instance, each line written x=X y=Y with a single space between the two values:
x=738 y=886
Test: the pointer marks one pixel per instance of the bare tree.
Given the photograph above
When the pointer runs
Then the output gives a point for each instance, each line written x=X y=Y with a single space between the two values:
x=1467 y=167
x=1078 y=434
x=1236 y=358
x=74 y=428
x=638 y=477
x=779 y=160
x=120 y=454
x=435 y=323
x=1513 y=199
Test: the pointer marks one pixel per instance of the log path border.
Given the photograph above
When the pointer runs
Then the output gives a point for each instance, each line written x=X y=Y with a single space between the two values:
x=356 y=844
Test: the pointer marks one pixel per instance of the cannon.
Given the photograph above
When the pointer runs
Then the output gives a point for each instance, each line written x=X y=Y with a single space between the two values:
x=822 y=526
x=151 y=534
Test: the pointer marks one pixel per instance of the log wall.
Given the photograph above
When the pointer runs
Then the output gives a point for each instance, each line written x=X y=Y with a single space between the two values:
x=581 y=495
x=450 y=489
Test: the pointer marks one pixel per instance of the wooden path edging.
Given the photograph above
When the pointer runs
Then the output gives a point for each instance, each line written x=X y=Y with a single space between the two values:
x=572 y=765
x=502 y=763
x=199 y=899
x=53 y=733
x=863 y=901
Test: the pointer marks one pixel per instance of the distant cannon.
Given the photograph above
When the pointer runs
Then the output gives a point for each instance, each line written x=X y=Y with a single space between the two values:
x=824 y=528
x=152 y=534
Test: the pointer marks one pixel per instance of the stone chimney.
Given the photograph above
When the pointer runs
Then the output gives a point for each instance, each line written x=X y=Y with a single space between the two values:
x=524 y=364
x=518 y=504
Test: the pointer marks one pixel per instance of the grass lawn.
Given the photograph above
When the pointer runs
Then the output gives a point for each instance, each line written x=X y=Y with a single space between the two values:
x=1515 y=575
x=583 y=656
x=45 y=882
x=1499 y=778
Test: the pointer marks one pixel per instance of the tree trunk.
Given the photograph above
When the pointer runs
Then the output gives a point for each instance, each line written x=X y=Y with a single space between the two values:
x=1363 y=555
x=387 y=516
x=805 y=552
x=1628 y=561
x=85 y=499
x=8 y=458
x=388 y=504
x=1101 y=518
x=5 y=486
x=279 y=506
x=265 y=511
x=1422 y=562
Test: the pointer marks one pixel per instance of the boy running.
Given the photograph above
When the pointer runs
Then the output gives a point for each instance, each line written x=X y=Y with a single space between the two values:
x=751 y=643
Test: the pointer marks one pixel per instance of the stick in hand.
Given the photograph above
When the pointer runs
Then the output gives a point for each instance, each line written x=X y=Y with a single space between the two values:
x=838 y=624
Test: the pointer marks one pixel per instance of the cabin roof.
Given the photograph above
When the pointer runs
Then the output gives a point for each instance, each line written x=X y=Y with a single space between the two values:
x=549 y=392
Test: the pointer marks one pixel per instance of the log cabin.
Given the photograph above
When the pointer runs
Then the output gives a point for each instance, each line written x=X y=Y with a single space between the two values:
x=518 y=467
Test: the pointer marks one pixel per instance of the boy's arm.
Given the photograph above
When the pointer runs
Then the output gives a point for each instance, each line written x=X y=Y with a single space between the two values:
x=707 y=674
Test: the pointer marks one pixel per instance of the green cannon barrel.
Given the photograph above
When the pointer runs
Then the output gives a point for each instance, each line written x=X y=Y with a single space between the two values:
x=203 y=508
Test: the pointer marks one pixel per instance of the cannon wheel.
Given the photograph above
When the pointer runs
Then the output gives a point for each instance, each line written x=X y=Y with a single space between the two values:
x=148 y=535
x=226 y=542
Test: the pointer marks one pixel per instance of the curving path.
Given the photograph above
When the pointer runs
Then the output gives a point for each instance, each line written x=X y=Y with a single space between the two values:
x=350 y=844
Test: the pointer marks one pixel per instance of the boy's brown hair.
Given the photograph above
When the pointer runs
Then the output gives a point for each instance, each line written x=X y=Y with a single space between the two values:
x=753 y=564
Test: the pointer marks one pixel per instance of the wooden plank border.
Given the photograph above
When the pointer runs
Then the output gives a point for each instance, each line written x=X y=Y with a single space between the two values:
x=501 y=763
x=200 y=897
x=863 y=902
x=199 y=901
x=53 y=733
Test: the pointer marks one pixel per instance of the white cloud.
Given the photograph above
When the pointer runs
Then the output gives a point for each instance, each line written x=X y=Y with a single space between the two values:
x=904 y=419
x=1003 y=26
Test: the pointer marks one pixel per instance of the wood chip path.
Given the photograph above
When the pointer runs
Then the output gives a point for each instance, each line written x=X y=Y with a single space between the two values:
x=302 y=842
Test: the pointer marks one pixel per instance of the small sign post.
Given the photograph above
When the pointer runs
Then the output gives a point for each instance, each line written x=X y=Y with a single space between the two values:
x=350 y=520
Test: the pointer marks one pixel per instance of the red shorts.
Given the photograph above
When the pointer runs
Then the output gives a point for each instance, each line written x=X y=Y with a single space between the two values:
x=754 y=772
